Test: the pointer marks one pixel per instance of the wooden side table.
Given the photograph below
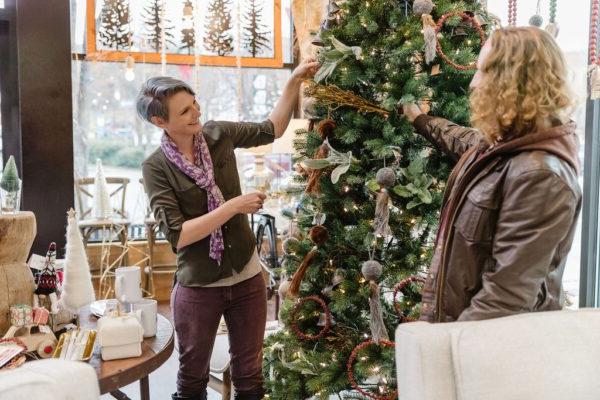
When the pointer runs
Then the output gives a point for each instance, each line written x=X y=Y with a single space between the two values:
x=113 y=375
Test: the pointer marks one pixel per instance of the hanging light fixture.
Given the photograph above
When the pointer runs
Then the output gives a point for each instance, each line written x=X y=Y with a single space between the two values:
x=129 y=64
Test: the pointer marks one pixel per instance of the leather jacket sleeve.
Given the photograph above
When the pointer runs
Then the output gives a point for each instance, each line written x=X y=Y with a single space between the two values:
x=448 y=137
x=534 y=219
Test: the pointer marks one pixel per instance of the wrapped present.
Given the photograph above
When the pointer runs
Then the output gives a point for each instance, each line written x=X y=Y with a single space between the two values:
x=21 y=314
x=120 y=337
x=40 y=316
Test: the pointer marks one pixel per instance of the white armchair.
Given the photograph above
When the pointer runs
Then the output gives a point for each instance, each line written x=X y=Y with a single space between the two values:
x=535 y=356
x=50 y=379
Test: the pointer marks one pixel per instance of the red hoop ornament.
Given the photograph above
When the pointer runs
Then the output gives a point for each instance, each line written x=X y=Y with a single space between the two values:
x=474 y=24
x=295 y=310
x=354 y=384
x=399 y=288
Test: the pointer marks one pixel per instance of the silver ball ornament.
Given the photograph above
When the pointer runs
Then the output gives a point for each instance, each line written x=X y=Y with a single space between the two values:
x=386 y=177
x=421 y=7
x=536 y=20
x=371 y=270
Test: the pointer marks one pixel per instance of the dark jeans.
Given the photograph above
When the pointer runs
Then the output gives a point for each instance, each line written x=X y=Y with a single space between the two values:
x=196 y=314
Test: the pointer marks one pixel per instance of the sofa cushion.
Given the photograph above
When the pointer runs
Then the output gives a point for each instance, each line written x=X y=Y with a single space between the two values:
x=539 y=356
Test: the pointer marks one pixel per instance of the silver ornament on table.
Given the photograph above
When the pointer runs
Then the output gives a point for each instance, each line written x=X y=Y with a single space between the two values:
x=371 y=270
x=536 y=20
x=421 y=7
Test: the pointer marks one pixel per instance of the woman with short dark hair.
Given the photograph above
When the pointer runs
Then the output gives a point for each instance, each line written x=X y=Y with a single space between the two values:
x=195 y=195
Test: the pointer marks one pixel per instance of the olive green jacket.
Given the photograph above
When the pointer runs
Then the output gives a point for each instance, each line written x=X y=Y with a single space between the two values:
x=175 y=198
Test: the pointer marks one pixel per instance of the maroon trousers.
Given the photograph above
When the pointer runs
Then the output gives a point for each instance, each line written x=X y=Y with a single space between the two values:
x=196 y=314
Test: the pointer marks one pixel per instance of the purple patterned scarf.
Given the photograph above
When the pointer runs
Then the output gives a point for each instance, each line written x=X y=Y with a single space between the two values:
x=203 y=174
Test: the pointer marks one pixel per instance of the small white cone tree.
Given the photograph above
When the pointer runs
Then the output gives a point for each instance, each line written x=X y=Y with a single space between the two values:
x=102 y=208
x=77 y=289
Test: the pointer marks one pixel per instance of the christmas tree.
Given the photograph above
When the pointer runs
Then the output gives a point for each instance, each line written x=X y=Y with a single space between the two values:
x=114 y=24
x=188 y=33
x=255 y=34
x=218 y=39
x=155 y=23
x=363 y=232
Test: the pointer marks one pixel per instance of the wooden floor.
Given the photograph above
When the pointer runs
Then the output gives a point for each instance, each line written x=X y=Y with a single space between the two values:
x=163 y=380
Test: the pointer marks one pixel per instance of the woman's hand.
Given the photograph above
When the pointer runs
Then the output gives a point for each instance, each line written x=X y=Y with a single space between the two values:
x=247 y=203
x=306 y=70
x=411 y=111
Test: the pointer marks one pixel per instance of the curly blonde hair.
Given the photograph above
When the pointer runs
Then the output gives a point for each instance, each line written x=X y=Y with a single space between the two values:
x=523 y=85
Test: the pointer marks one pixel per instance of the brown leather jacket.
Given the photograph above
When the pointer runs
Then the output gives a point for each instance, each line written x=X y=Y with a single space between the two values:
x=507 y=223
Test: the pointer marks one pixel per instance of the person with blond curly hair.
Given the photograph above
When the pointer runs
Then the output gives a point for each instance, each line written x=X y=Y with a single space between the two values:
x=513 y=198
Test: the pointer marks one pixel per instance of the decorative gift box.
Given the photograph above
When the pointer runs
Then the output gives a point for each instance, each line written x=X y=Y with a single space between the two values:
x=40 y=316
x=21 y=314
x=120 y=337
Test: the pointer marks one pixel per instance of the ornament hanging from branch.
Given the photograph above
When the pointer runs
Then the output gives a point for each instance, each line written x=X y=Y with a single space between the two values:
x=294 y=318
x=536 y=19
x=468 y=18
x=552 y=27
x=334 y=97
x=341 y=161
x=422 y=7
x=333 y=57
x=386 y=178
x=331 y=20
x=387 y=393
x=319 y=235
x=325 y=129
x=372 y=271
x=399 y=289
x=430 y=36
x=512 y=12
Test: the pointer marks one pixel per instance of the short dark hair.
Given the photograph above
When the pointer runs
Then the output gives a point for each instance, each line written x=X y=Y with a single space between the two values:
x=151 y=101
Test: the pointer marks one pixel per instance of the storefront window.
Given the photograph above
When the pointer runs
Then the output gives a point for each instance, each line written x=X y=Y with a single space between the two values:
x=572 y=18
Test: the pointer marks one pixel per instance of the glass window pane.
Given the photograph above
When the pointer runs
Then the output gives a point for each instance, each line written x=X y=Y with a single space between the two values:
x=573 y=40
x=106 y=125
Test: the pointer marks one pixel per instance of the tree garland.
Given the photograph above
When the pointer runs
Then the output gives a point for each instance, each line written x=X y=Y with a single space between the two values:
x=354 y=384
x=473 y=23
